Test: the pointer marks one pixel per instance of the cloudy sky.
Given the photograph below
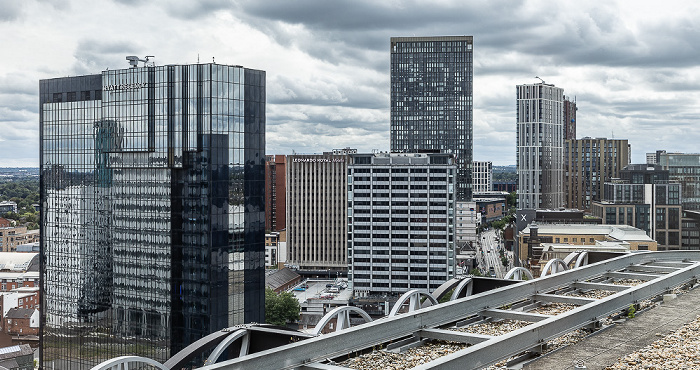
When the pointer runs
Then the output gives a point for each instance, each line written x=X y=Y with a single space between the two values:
x=631 y=65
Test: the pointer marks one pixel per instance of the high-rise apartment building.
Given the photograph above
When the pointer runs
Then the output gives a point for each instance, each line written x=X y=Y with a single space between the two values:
x=275 y=192
x=152 y=232
x=482 y=176
x=685 y=169
x=569 y=118
x=588 y=164
x=540 y=140
x=401 y=226
x=431 y=100
x=317 y=210
x=644 y=197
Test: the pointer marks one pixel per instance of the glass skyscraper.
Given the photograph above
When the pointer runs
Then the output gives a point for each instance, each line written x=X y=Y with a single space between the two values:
x=431 y=100
x=153 y=221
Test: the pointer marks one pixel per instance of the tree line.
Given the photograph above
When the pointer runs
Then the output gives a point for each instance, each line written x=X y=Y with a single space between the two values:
x=24 y=192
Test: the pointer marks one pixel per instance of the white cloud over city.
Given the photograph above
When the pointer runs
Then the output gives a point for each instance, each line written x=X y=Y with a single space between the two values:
x=631 y=65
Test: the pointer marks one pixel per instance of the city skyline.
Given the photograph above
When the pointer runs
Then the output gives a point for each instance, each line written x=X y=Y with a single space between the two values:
x=630 y=65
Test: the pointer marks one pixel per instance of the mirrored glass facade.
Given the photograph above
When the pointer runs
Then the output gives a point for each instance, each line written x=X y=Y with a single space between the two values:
x=153 y=210
x=431 y=100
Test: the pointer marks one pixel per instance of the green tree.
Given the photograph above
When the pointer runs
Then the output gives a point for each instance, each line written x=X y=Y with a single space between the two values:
x=280 y=308
x=504 y=261
x=511 y=199
x=475 y=271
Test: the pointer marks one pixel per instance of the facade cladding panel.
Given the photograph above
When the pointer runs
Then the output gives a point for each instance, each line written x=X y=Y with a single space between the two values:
x=431 y=100
x=317 y=211
x=401 y=216
x=540 y=141
x=153 y=229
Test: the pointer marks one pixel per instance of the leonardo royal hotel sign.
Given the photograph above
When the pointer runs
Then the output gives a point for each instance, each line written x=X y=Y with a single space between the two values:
x=320 y=160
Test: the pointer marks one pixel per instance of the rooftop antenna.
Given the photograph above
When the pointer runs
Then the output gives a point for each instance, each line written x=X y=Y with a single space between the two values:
x=134 y=61
x=538 y=77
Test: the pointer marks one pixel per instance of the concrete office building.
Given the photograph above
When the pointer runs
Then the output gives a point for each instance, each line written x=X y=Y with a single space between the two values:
x=588 y=164
x=275 y=192
x=317 y=211
x=402 y=235
x=482 y=176
x=152 y=230
x=540 y=142
x=644 y=198
x=685 y=169
x=431 y=100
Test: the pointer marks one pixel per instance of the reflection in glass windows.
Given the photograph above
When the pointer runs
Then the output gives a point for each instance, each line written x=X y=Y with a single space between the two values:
x=153 y=229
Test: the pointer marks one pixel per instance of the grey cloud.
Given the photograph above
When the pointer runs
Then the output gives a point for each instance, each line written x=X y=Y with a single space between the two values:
x=188 y=10
x=93 y=55
x=10 y=10
x=286 y=90
x=18 y=83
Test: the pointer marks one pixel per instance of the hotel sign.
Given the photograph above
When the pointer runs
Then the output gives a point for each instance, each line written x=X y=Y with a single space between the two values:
x=320 y=160
x=124 y=87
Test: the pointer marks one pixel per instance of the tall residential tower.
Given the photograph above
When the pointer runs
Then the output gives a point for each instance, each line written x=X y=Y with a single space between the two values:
x=153 y=220
x=540 y=139
x=431 y=100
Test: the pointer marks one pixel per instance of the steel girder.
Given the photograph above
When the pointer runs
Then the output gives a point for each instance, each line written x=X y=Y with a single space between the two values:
x=311 y=352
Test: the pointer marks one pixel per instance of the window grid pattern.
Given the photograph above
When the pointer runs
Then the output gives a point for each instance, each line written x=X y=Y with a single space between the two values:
x=153 y=222
x=431 y=100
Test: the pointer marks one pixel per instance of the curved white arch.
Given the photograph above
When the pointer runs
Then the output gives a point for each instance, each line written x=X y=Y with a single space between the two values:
x=343 y=314
x=582 y=259
x=241 y=333
x=466 y=286
x=517 y=273
x=446 y=287
x=122 y=363
x=413 y=299
x=571 y=257
x=553 y=266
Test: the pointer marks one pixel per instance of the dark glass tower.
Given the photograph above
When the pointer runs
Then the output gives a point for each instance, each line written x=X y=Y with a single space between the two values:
x=153 y=210
x=431 y=100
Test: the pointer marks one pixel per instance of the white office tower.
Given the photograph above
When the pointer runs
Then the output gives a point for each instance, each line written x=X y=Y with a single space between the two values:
x=540 y=156
x=401 y=221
